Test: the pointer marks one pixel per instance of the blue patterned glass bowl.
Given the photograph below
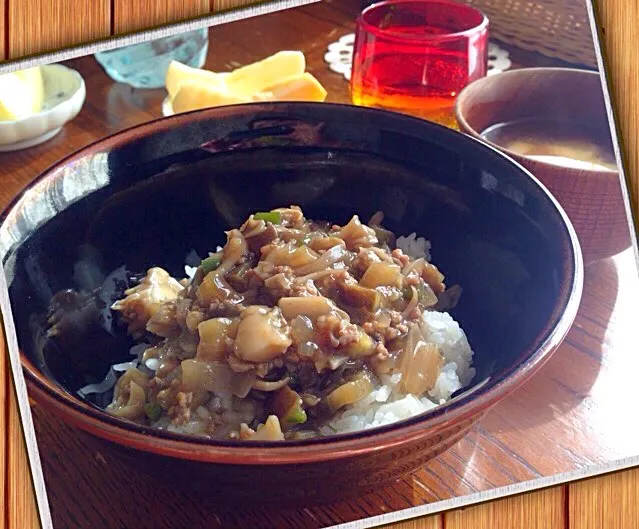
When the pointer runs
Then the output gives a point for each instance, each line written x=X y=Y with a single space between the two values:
x=144 y=65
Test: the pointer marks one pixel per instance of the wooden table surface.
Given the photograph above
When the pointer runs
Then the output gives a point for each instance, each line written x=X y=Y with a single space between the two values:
x=567 y=418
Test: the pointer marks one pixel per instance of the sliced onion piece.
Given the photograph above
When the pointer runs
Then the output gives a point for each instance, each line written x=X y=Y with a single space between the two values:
x=417 y=265
x=263 y=385
x=125 y=366
x=101 y=387
x=216 y=377
x=351 y=392
x=301 y=329
x=134 y=408
x=421 y=363
x=326 y=260
x=414 y=300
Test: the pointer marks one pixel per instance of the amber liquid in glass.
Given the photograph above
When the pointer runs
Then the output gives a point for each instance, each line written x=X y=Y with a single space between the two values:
x=423 y=81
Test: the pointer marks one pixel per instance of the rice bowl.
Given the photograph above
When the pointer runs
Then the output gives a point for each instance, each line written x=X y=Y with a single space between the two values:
x=333 y=160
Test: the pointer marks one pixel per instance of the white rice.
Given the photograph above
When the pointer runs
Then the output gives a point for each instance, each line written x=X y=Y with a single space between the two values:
x=386 y=404
x=415 y=247
x=190 y=271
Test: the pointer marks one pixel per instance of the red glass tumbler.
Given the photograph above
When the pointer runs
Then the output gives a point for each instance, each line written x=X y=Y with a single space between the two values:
x=415 y=56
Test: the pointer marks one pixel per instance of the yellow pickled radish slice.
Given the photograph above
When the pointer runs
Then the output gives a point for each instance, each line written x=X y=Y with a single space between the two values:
x=259 y=76
x=21 y=94
x=34 y=86
x=179 y=73
x=195 y=96
x=304 y=87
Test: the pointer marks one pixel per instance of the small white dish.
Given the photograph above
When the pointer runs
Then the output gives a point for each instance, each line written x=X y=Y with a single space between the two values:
x=64 y=96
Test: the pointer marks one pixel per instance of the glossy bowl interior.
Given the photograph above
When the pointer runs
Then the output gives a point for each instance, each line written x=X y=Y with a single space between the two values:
x=149 y=195
x=592 y=198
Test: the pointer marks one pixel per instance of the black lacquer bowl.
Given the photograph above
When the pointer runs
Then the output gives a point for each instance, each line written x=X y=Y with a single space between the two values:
x=148 y=195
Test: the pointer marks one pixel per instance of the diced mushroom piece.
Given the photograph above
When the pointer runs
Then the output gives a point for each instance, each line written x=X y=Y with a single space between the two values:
x=265 y=237
x=381 y=275
x=164 y=322
x=252 y=227
x=278 y=253
x=233 y=251
x=310 y=306
x=237 y=278
x=352 y=391
x=290 y=234
x=357 y=235
x=434 y=278
x=146 y=298
x=214 y=287
x=134 y=407
x=426 y=295
x=363 y=346
x=292 y=217
x=217 y=377
x=214 y=334
x=267 y=387
x=262 y=335
x=279 y=283
x=320 y=244
x=447 y=300
x=258 y=233
x=235 y=247
x=301 y=257
x=134 y=375
x=129 y=395
x=289 y=254
x=360 y=297
x=269 y=431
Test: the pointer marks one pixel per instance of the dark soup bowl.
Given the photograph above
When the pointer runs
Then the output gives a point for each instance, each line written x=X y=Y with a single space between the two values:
x=150 y=195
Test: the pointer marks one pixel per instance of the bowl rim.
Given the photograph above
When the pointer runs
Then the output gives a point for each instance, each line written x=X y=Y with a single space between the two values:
x=472 y=403
x=523 y=72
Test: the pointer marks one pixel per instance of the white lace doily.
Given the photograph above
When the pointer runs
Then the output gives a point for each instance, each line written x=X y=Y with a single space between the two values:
x=340 y=56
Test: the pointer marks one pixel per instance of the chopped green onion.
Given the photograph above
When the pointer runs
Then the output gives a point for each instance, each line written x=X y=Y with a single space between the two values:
x=153 y=411
x=274 y=217
x=296 y=416
x=407 y=293
x=210 y=263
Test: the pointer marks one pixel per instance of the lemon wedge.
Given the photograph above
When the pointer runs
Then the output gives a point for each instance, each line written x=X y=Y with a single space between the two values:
x=21 y=94
x=179 y=73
